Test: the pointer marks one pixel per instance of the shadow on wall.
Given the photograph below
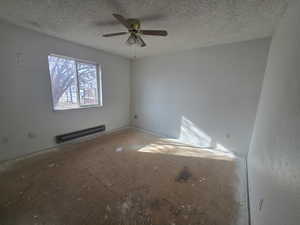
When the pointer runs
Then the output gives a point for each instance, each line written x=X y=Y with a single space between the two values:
x=193 y=135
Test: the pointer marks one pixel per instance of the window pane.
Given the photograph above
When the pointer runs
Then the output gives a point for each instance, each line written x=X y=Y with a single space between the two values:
x=64 y=82
x=88 y=84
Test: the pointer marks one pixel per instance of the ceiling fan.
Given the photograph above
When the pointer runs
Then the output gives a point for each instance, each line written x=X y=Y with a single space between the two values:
x=134 y=30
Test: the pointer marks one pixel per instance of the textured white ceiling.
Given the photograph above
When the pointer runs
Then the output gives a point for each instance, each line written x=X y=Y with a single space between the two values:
x=190 y=23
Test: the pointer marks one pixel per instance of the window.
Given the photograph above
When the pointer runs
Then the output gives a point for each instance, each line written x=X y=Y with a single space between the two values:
x=75 y=83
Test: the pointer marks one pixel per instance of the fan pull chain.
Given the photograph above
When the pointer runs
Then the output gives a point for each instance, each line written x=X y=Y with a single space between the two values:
x=133 y=47
x=134 y=51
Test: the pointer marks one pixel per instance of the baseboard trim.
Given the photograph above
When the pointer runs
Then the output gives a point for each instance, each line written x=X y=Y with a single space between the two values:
x=151 y=132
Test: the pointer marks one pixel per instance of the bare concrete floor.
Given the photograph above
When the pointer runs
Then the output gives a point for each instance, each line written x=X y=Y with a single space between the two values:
x=148 y=180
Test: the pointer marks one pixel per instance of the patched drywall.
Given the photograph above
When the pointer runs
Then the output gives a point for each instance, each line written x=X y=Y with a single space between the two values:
x=274 y=158
x=206 y=97
x=190 y=23
x=27 y=120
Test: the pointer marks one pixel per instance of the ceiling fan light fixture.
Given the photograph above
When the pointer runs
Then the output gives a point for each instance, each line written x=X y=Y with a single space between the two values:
x=131 y=40
x=140 y=41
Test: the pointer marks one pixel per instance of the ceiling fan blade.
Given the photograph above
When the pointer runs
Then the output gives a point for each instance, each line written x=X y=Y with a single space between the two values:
x=113 y=22
x=114 y=34
x=141 y=41
x=154 y=32
x=122 y=20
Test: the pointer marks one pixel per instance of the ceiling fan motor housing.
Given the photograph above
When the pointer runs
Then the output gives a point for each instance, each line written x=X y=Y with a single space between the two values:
x=134 y=24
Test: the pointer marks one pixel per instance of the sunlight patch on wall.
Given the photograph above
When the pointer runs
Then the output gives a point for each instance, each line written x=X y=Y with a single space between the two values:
x=191 y=134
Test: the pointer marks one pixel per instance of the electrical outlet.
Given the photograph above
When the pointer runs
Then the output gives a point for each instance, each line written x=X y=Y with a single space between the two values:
x=31 y=135
x=19 y=58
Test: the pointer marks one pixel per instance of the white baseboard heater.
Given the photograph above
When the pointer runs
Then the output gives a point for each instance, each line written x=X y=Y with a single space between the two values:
x=80 y=133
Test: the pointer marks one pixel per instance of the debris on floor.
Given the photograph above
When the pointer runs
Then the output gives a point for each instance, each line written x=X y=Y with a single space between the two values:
x=51 y=165
x=202 y=179
x=89 y=186
x=184 y=175
x=155 y=168
x=119 y=149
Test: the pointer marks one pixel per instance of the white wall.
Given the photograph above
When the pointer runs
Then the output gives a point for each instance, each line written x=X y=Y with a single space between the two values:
x=206 y=96
x=274 y=157
x=25 y=94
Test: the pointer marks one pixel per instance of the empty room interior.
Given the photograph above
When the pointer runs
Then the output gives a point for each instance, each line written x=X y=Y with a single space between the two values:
x=149 y=112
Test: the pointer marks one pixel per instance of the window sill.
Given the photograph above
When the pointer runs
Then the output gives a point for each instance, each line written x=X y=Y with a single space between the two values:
x=78 y=108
